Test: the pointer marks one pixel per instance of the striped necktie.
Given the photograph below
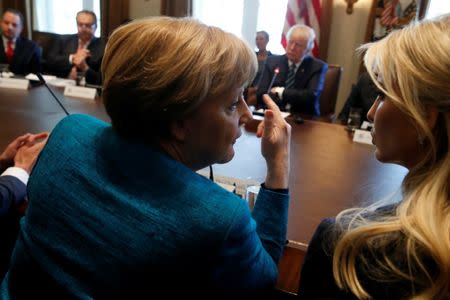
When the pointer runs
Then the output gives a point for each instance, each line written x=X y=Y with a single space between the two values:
x=290 y=77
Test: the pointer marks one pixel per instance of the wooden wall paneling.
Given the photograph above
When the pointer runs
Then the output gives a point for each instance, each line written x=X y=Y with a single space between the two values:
x=423 y=7
x=326 y=14
x=176 y=8
x=114 y=14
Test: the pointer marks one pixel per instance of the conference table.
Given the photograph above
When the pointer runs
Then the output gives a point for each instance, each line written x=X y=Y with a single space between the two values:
x=35 y=110
x=329 y=172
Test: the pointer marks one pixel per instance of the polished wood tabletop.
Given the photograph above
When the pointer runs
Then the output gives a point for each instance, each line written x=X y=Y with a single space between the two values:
x=35 y=110
x=329 y=172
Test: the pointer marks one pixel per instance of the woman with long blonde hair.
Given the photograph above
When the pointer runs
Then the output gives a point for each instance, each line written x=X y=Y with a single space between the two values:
x=399 y=251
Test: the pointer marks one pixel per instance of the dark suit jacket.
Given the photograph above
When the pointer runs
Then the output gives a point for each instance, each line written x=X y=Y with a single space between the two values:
x=58 y=57
x=26 y=59
x=12 y=192
x=317 y=281
x=308 y=85
x=362 y=96
x=260 y=69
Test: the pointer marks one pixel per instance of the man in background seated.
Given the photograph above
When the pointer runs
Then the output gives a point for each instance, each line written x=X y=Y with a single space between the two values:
x=362 y=96
x=22 y=55
x=79 y=55
x=299 y=83
x=16 y=163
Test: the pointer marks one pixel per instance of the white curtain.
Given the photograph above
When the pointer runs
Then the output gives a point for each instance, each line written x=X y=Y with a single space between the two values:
x=58 y=16
x=245 y=18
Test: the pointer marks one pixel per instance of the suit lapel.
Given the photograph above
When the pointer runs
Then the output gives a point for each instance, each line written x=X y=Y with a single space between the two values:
x=73 y=47
x=303 y=69
x=18 y=50
x=91 y=46
x=2 y=53
x=284 y=69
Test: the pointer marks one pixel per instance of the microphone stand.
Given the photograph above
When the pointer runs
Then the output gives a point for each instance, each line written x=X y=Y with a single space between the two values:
x=275 y=74
x=42 y=80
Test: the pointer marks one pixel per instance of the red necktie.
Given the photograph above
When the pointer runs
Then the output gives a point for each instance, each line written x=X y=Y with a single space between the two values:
x=9 y=51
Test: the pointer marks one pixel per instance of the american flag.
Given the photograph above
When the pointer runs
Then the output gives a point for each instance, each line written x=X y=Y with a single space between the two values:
x=388 y=17
x=303 y=12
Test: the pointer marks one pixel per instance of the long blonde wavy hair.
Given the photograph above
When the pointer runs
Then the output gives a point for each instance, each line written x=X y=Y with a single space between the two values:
x=410 y=246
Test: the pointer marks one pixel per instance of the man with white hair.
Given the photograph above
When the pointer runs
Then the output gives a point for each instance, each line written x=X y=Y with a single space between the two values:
x=297 y=76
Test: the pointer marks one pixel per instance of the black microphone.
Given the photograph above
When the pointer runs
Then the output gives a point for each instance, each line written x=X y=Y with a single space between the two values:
x=42 y=80
x=275 y=74
x=276 y=71
x=211 y=175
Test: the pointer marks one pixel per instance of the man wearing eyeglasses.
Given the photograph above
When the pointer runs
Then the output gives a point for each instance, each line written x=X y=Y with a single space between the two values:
x=295 y=80
x=79 y=55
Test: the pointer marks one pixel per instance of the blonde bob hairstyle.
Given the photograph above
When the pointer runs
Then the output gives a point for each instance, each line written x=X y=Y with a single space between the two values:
x=160 y=69
x=409 y=247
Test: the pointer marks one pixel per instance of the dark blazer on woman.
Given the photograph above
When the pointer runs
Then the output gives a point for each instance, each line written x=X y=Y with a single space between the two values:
x=317 y=281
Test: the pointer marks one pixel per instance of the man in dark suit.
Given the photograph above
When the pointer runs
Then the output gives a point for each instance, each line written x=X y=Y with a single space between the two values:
x=299 y=83
x=16 y=162
x=362 y=96
x=78 y=55
x=22 y=55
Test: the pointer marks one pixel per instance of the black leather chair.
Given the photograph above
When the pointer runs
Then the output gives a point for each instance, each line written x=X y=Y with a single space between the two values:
x=329 y=94
x=45 y=40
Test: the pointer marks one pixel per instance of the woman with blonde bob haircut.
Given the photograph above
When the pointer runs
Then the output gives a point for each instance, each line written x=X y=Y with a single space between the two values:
x=179 y=66
x=128 y=216
x=402 y=250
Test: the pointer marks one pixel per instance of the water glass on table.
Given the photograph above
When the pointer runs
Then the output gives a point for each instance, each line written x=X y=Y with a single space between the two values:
x=354 y=118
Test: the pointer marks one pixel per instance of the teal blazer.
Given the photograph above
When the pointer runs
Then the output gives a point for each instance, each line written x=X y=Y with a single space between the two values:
x=111 y=218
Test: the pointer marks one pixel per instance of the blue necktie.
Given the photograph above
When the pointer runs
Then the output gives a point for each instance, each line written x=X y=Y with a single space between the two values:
x=290 y=77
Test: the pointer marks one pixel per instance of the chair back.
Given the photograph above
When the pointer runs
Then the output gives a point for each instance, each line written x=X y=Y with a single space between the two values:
x=330 y=90
x=44 y=40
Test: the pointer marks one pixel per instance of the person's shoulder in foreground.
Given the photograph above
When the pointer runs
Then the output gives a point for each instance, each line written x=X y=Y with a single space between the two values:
x=402 y=251
x=126 y=213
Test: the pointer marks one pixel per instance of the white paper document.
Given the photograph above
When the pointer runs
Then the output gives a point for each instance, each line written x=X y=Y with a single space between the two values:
x=14 y=83
x=362 y=136
x=80 y=92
